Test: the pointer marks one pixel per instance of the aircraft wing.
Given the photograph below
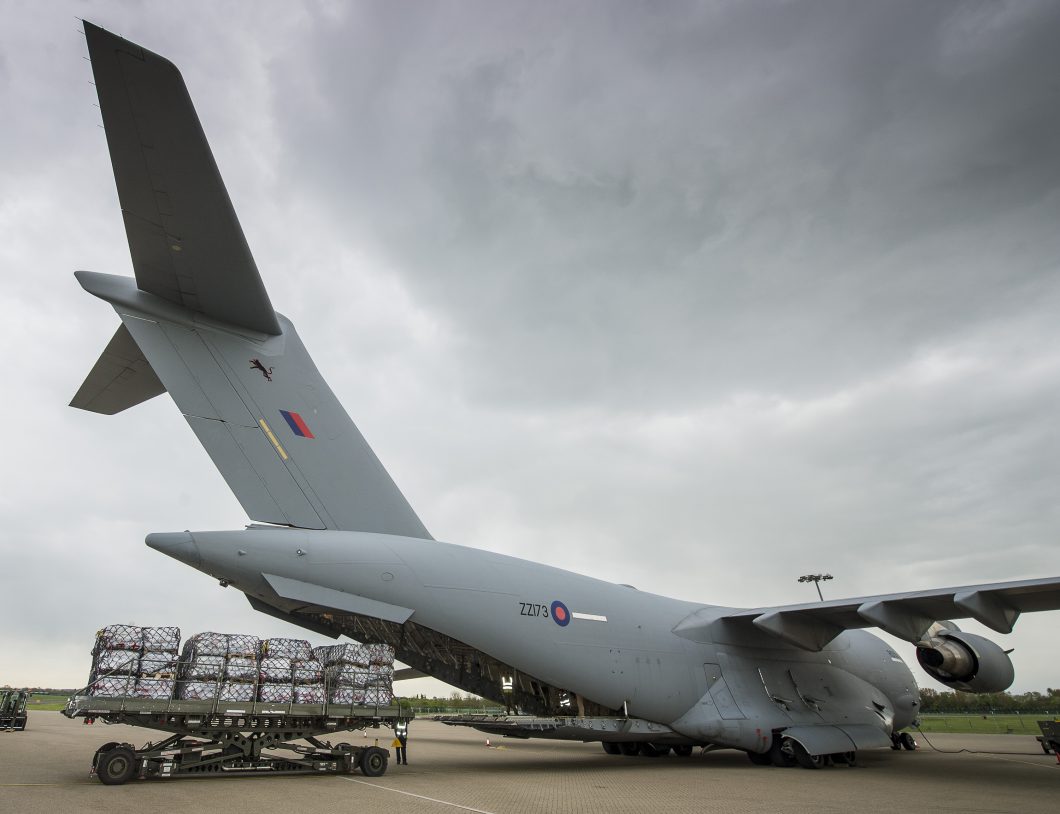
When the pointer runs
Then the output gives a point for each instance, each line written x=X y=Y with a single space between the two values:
x=906 y=615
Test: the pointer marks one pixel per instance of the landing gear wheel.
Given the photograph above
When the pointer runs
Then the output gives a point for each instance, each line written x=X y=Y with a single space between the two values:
x=760 y=758
x=782 y=752
x=805 y=759
x=611 y=748
x=116 y=766
x=908 y=741
x=684 y=750
x=654 y=750
x=373 y=762
x=630 y=748
x=896 y=742
x=845 y=758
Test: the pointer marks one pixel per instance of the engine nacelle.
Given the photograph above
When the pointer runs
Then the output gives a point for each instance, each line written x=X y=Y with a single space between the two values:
x=965 y=661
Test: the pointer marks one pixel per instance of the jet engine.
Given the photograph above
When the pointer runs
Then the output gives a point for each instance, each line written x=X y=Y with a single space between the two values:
x=965 y=661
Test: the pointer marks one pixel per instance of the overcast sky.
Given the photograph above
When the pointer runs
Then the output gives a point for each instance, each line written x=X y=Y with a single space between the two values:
x=694 y=296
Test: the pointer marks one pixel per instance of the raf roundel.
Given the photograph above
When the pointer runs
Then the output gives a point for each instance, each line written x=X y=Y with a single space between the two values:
x=560 y=614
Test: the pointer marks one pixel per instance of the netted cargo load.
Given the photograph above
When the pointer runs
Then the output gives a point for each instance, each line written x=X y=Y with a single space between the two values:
x=115 y=686
x=240 y=644
x=346 y=695
x=382 y=654
x=158 y=665
x=231 y=691
x=349 y=653
x=381 y=673
x=309 y=694
x=306 y=671
x=159 y=689
x=124 y=662
x=346 y=675
x=161 y=639
x=241 y=669
x=203 y=668
x=276 y=693
x=205 y=644
x=119 y=637
x=275 y=670
x=287 y=648
x=378 y=696
x=197 y=690
x=323 y=653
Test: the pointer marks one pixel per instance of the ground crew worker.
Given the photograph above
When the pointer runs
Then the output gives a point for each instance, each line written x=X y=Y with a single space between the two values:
x=400 y=744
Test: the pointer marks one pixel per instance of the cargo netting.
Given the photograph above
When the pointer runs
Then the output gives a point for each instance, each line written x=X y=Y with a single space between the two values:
x=276 y=693
x=141 y=662
x=275 y=670
x=287 y=648
x=158 y=665
x=307 y=671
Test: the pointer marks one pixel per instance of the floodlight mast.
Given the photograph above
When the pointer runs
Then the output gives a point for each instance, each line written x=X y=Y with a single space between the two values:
x=816 y=579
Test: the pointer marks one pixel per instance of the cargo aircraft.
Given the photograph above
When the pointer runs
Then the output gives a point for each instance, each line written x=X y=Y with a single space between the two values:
x=336 y=548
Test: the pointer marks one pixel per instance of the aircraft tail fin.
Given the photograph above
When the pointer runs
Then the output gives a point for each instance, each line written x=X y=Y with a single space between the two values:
x=198 y=323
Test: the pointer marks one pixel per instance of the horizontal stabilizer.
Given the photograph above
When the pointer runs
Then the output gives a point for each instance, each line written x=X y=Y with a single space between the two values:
x=186 y=242
x=907 y=615
x=121 y=378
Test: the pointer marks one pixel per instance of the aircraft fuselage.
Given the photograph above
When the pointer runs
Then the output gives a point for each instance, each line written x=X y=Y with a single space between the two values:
x=589 y=641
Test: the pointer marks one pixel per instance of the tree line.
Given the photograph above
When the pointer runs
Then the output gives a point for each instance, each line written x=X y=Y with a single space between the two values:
x=936 y=701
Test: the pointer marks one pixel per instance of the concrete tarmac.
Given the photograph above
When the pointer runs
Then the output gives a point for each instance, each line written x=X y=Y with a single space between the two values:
x=45 y=769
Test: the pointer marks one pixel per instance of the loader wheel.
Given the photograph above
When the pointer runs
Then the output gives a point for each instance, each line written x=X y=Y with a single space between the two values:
x=373 y=762
x=116 y=766
x=104 y=748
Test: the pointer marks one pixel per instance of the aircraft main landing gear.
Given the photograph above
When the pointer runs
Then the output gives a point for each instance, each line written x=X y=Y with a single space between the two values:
x=787 y=752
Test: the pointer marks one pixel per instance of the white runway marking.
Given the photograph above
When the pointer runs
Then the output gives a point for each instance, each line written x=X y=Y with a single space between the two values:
x=1024 y=762
x=418 y=796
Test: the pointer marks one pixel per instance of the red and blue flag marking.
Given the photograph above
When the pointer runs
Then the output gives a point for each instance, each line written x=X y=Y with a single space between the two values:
x=297 y=424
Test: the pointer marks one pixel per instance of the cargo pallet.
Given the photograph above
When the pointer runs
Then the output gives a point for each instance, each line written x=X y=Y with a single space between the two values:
x=13 y=709
x=219 y=738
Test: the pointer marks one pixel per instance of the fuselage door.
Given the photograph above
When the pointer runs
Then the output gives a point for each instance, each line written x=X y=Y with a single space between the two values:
x=719 y=691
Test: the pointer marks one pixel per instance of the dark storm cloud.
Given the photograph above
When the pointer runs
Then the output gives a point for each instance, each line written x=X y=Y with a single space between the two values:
x=757 y=179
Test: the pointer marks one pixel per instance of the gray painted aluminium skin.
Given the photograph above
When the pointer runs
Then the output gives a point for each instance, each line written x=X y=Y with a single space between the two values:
x=633 y=660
